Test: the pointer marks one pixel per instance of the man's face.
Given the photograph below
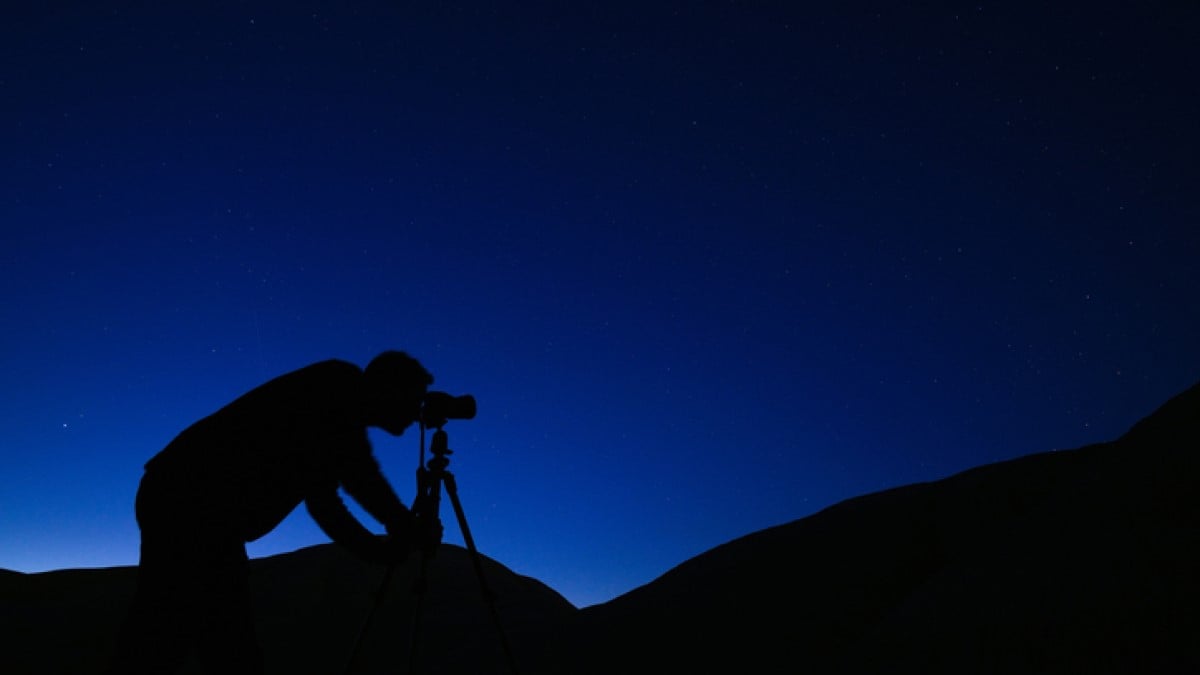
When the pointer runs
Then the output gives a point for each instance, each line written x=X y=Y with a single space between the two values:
x=399 y=409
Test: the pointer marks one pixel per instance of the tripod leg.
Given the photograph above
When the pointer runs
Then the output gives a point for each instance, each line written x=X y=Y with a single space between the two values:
x=488 y=596
x=427 y=504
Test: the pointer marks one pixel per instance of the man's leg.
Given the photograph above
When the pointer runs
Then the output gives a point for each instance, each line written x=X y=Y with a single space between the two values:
x=159 y=630
x=226 y=640
x=192 y=591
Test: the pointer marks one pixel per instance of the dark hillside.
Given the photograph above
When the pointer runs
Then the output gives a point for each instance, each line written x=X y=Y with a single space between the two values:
x=310 y=605
x=1075 y=561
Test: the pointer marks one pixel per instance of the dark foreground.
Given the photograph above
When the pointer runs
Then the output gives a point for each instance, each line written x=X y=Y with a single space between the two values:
x=1080 y=561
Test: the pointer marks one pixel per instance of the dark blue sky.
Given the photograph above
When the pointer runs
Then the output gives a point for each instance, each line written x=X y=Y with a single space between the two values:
x=707 y=267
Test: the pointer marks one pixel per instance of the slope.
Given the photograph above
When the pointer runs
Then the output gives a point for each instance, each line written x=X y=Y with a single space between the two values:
x=1076 y=561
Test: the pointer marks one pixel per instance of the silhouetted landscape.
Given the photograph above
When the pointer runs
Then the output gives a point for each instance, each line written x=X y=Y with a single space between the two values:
x=1071 y=561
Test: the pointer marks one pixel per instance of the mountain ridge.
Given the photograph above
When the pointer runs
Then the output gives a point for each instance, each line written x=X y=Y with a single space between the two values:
x=1075 y=525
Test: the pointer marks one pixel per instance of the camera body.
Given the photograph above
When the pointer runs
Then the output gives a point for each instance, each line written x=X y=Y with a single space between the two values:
x=438 y=407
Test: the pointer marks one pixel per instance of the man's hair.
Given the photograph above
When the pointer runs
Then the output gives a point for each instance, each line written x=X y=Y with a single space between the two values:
x=393 y=368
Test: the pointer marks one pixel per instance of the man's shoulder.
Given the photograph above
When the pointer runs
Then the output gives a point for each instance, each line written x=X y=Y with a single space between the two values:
x=334 y=367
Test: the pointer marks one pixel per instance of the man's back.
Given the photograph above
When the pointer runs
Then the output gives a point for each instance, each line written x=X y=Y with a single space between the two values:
x=251 y=462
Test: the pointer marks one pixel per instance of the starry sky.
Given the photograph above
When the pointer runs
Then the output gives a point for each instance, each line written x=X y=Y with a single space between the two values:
x=706 y=267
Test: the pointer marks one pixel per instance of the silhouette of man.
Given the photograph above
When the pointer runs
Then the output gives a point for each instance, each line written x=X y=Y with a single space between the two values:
x=233 y=476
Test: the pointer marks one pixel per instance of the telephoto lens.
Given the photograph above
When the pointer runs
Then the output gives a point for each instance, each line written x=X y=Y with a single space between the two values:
x=439 y=406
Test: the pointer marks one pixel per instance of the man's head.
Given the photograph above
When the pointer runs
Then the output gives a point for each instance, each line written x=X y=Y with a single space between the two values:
x=395 y=385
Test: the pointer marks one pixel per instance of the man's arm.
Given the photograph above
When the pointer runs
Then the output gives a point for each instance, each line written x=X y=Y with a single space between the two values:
x=330 y=513
x=364 y=482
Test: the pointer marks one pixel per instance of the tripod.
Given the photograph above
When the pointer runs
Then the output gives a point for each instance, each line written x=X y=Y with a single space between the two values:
x=432 y=477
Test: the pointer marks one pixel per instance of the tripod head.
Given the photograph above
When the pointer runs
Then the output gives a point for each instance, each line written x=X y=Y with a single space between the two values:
x=440 y=450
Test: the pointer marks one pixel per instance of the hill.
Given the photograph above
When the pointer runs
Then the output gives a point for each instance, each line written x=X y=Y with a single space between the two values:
x=310 y=605
x=1077 y=561
x=1072 y=561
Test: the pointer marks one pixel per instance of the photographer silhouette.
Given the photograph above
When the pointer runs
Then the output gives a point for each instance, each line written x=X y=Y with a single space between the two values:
x=233 y=476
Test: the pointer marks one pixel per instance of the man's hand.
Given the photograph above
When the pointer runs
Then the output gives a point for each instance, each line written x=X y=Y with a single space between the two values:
x=394 y=547
x=410 y=533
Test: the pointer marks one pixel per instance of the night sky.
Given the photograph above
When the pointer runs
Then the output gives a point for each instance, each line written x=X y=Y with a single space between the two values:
x=706 y=267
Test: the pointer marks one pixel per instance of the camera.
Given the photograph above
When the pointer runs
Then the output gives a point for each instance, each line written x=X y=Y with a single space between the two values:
x=438 y=407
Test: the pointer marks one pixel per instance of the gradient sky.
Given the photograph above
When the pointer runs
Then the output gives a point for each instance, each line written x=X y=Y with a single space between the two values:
x=707 y=267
